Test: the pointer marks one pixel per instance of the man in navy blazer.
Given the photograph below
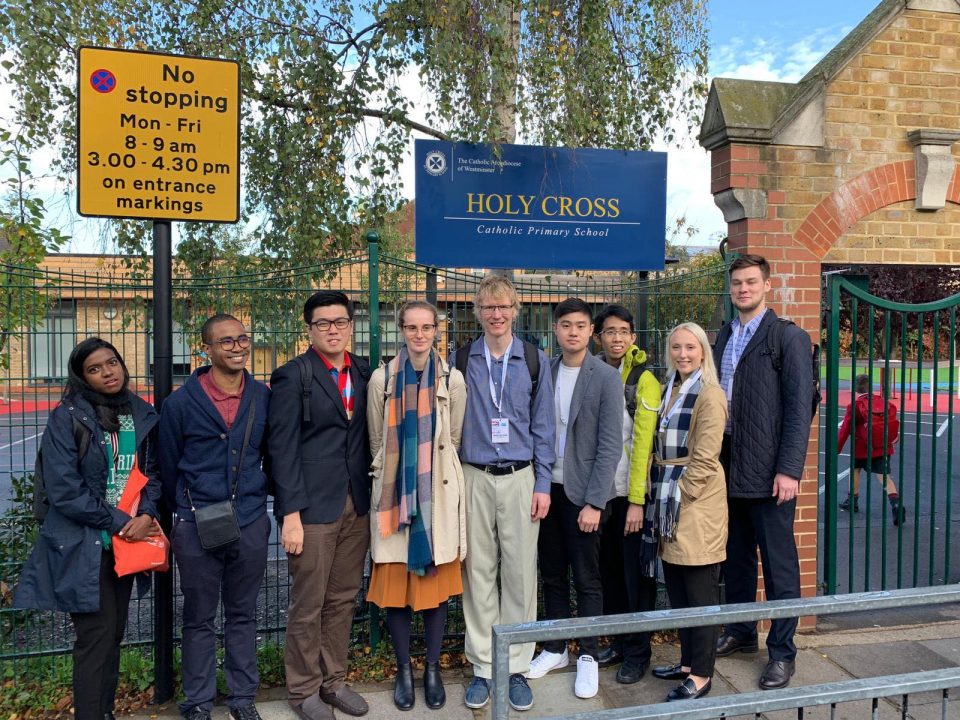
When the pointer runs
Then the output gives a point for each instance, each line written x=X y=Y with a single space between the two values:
x=320 y=456
x=588 y=399
x=205 y=449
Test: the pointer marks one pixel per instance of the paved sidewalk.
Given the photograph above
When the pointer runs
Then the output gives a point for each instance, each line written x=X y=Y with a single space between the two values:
x=844 y=647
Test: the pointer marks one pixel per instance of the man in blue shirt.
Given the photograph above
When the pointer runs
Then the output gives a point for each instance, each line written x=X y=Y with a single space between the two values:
x=508 y=454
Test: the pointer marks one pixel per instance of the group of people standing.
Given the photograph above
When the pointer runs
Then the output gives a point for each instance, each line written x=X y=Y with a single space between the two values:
x=461 y=475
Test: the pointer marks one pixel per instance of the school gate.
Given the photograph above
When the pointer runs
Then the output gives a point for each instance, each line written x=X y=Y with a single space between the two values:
x=855 y=164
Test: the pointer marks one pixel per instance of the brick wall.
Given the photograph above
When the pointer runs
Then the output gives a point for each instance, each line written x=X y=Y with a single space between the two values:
x=852 y=200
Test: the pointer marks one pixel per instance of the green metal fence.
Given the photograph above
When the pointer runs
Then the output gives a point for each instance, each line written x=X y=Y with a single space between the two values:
x=909 y=353
x=45 y=313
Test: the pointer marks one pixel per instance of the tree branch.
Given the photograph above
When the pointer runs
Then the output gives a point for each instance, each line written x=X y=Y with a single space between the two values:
x=385 y=115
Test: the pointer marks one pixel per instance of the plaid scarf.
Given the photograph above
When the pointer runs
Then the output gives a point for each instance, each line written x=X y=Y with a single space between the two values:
x=407 y=499
x=670 y=443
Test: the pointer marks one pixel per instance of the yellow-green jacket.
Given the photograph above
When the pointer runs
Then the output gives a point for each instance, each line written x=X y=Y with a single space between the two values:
x=638 y=431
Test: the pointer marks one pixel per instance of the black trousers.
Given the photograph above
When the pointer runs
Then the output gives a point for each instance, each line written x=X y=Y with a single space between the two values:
x=625 y=590
x=562 y=547
x=753 y=523
x=96 y=651
x=695 y=586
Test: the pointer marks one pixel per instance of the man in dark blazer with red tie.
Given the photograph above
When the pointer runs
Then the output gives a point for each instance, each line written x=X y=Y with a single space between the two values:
x=320 y=462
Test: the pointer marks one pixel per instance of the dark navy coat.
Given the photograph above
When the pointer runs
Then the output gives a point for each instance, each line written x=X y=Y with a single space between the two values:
x=770 y=409
x=198 y=450
x=63 y=571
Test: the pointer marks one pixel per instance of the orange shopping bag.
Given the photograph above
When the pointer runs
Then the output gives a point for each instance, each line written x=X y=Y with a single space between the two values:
x=152 y=553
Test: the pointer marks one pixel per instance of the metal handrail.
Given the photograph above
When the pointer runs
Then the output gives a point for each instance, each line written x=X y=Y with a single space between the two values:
x=506 y=635
x=763 y=701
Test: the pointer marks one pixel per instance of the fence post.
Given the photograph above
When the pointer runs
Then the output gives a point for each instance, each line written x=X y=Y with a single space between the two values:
x=373 y=310
x=373 y=301
x=830 y=457
x=431 y=285
x=162 y=387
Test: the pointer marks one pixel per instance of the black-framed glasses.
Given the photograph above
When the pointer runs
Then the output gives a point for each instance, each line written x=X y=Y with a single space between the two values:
x=229 y=343
x=617 y=332
x=323 y=325
x=425 y=329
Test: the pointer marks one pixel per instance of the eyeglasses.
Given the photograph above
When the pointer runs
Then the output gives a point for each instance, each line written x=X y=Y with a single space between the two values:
x=617 y=332
x=425 y=329
x=229 y=343
x=491 y=309
x=324 y=325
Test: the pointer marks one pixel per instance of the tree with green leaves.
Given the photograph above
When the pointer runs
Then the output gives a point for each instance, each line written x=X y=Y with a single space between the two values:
x=24 y=240
x=330 y=91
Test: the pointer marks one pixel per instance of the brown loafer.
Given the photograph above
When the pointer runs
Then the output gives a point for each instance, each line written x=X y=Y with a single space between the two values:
x=313 y=708
x=347 y=700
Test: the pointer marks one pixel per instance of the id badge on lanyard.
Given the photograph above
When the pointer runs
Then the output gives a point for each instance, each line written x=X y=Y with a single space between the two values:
x=499 y=426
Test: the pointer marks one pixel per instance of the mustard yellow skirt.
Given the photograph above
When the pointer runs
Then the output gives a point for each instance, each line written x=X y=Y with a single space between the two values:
x=392 y=585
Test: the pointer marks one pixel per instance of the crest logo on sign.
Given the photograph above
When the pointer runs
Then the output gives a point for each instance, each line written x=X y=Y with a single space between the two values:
x=435 y=163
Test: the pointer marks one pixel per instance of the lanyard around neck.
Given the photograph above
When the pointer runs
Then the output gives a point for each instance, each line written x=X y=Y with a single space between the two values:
x=497 y=401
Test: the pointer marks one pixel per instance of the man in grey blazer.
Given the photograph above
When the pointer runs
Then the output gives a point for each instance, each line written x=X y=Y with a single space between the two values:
x=588 y=401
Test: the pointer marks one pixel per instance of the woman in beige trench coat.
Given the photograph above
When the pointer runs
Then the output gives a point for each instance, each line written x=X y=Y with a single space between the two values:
x=415 y=407
x=688 y=508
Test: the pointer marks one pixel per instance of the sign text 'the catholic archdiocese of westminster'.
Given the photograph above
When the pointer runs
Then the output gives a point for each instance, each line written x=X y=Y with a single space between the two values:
x=159 y=136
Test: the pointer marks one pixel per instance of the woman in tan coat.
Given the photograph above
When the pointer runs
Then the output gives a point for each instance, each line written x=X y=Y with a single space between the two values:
x=688 y=509
x=415 y=406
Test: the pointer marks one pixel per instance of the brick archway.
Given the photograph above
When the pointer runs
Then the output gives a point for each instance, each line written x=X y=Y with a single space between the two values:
x=845 y=206
x=857 y=198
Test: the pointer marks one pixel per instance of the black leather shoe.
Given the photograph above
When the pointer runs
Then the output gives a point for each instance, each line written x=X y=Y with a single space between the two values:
x=609 y=656
x=687 y=690
x=777 y=674
x=670 y=672
x=728 y=645
x=433 y=690
x=629 y=673
x=403 y=696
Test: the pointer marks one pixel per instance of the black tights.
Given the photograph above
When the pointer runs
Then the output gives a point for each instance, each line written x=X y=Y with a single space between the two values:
x=434 y=624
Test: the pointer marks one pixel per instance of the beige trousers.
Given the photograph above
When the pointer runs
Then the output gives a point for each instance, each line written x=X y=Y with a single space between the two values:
x=502 y=539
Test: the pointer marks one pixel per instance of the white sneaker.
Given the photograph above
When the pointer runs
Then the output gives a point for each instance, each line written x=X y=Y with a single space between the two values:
x=545 y=662
x=588 y=677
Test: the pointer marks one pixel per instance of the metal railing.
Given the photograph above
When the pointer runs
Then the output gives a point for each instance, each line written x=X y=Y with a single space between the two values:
x=788 y=698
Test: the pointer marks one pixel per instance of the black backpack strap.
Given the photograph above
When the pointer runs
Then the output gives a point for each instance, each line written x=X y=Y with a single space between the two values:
x=633 y=378
x=81 y=436
x=531 y=355
x=460 y=358
x=775 y=340
x=306 y=385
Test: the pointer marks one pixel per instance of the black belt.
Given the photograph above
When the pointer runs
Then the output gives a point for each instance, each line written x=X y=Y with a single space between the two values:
x=501 y=469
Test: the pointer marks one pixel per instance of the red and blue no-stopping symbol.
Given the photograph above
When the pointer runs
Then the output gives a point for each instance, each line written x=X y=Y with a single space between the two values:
x=103 y=81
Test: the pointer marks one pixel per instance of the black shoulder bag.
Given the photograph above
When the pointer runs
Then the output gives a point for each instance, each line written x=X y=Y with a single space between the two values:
x=217 y=523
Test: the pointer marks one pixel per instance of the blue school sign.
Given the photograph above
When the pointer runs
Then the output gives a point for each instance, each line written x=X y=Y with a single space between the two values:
x=539 y=207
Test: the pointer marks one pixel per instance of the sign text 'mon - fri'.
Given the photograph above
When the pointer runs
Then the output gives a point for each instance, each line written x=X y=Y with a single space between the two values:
x=158 y=136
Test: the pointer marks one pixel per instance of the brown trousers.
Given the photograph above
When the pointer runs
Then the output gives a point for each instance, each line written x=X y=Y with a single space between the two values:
x=326 y=579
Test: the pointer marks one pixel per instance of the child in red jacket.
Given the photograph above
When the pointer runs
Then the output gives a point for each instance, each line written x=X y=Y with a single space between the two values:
x=872 y=444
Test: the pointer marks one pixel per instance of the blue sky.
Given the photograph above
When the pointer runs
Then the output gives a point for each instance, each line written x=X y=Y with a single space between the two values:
x=750 y=39
x=757 y=40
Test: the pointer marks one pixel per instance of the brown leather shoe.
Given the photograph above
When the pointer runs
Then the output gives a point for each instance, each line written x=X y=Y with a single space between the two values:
x=313 y=708
x=728 y=645
x=777 y=674
x=347 y=700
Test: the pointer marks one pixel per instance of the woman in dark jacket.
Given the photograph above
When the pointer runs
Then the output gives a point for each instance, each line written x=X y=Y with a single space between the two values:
x=71 y=568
